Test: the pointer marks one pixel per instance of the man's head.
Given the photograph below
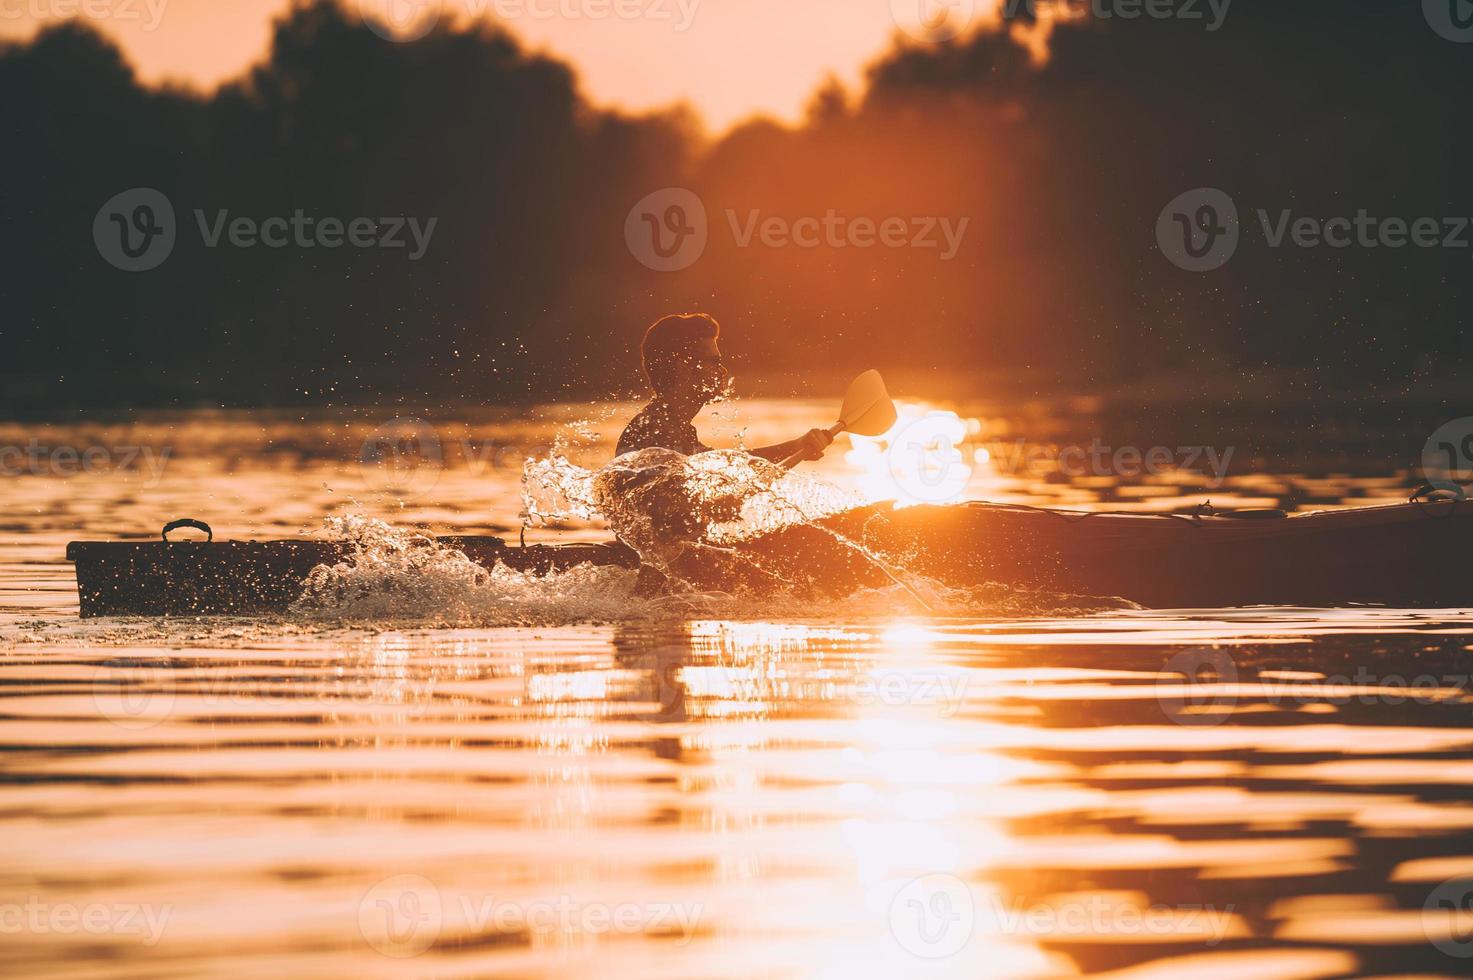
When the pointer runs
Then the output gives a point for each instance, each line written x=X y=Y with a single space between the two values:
x=681 y=358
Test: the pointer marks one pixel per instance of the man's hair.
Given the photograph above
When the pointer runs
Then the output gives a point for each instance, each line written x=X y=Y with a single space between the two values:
x=669 y=336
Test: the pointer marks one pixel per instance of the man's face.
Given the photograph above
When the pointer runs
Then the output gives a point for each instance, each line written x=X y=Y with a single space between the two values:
x=702 y=370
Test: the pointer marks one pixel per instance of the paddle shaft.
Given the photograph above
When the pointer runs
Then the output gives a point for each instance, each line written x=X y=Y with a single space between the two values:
x=797 y=457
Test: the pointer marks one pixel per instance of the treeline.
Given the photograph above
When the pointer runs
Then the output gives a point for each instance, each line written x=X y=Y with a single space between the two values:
x=527 y=287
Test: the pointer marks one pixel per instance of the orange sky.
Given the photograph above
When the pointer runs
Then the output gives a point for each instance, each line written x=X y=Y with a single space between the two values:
x=732 y=59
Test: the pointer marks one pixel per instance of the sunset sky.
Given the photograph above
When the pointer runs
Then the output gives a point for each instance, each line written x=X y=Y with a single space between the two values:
x=735 y=57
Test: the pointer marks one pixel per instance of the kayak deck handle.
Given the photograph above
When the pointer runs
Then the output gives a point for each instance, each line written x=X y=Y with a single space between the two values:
x=1428 y=490
x=189 y=522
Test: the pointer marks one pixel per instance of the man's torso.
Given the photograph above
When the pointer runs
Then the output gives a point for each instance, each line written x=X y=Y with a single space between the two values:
x=656 y=427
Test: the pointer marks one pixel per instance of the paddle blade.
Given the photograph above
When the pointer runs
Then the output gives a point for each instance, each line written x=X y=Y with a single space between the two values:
x=868 y=410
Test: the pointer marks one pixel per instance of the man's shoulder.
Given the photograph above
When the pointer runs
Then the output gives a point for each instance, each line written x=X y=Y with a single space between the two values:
x=653 y=428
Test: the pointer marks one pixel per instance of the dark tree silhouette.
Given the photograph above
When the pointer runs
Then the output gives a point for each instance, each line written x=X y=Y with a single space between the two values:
x=1322 y=107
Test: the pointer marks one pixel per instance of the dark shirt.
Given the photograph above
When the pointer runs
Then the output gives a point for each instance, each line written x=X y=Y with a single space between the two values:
x=657 y=427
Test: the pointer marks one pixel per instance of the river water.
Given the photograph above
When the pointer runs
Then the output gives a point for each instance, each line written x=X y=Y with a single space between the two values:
x=557 y=779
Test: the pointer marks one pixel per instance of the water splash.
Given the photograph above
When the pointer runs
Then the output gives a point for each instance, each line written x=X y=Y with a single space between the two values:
x=672 y=509
x=555 y=489
x=654 y=497
x=660 y=501
x=393 y=573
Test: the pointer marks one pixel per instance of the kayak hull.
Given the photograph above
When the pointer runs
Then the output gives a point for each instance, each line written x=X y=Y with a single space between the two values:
x=1409 y=555
x=193 y=578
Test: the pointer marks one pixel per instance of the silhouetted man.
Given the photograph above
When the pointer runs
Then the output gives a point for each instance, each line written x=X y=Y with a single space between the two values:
x=683 y=364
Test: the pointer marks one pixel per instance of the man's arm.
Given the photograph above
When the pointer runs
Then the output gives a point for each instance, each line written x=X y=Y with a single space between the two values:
x=812 y=444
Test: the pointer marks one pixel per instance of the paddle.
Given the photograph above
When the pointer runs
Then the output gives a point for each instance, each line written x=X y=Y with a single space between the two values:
x=867 y=411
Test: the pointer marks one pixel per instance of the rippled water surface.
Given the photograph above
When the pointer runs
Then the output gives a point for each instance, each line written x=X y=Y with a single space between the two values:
x=633 y=791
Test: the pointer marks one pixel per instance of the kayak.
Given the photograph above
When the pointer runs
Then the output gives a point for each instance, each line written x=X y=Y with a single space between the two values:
x=1405 y=555
x=193 y=578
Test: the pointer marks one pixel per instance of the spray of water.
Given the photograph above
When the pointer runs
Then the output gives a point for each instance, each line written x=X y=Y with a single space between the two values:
x=394 y=573
x=676 y=511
